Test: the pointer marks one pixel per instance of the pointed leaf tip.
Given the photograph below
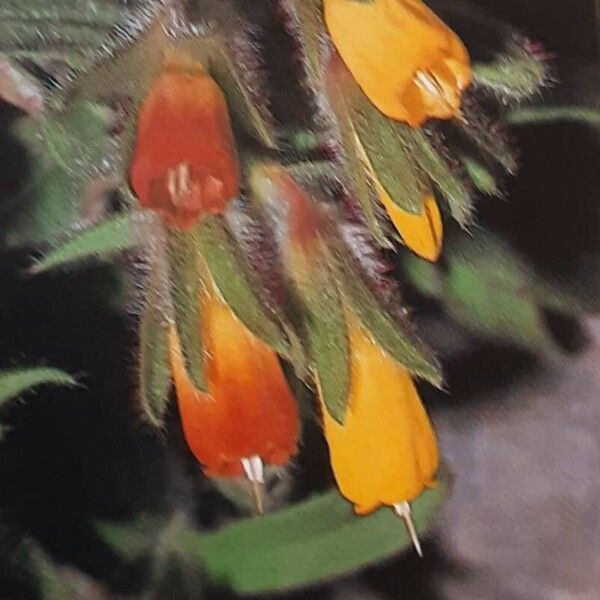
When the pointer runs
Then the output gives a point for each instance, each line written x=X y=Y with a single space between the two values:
x=102 y=241
x=16 y=381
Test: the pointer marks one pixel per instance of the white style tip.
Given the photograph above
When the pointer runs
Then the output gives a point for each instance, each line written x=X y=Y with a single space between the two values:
x=402 y=509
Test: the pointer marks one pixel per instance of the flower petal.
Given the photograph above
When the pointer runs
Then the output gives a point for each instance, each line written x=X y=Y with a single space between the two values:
x=184 y=162
x=391 y=47
x=386 y=450
x=421 y=233
x=248 y=409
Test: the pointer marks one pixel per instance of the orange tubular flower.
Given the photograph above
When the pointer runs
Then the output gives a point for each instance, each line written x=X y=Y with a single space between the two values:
x=386 y=451
x=408 y=63
x=184 y=162
x=247 y=416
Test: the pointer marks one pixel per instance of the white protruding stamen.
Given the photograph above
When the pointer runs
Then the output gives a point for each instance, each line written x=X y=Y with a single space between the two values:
x=254 y=470
x=247 y=466
x=259 y=471
x=179 y=182
x=171 y=183
x=428 y=83
x=183 y=177
x=402 y=509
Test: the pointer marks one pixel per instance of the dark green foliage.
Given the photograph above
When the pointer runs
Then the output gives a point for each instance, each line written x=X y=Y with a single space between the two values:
x=186 y=287
x=154 y=367
x=66 y=148
x=487 y=290
x=327 y=335
x=69 y=31
x=45 y=580
x=234 y=280
x=387 y=155
x=398 y=339
x=449 y=184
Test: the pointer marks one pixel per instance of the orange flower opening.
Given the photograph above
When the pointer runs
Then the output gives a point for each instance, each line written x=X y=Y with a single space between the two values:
x=407 y=61
x=385 y=453
x=247 y=410
x=184 y=161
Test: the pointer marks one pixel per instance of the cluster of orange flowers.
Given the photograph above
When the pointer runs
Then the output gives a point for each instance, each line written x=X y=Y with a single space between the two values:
x=411 y=67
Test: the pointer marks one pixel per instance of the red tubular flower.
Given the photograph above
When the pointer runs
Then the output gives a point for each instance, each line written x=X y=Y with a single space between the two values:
x=247 y=412
x=184 y=162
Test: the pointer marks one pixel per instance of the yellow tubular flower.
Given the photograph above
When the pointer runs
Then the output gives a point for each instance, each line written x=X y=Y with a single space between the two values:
x=407 y=61
x=386 y=451
x=421 y=233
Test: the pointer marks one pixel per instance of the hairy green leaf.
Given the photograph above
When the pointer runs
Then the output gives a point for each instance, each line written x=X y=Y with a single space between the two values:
x=154 y=381
x=233 y=279
x=328 y=341
x=515 y=74
x=355 y=159
x=14 y=382
x=65 y=31
x=488 y=138
x=308 y=22
x=128 y=64
x=240 y=83
x=186 y=289
x=388 y=157
x=17 y=87
x=482 y=178
x=108 y=238
x=66 y=148
x=397 y=339
x=75 y=139
x=94 y=13
x=450 y=186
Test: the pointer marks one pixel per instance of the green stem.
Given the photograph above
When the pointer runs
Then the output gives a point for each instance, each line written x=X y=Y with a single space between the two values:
x=549 y=114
